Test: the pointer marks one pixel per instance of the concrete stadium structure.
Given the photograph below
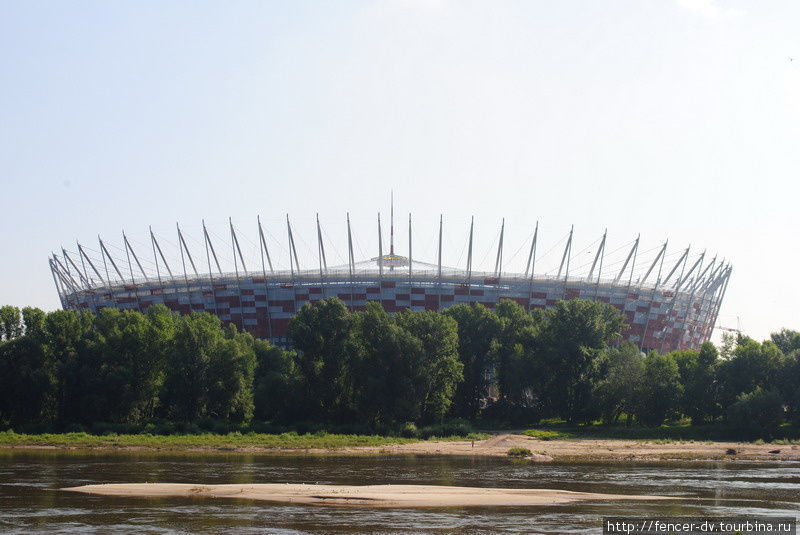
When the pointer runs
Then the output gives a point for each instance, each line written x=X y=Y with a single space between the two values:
x=667 y=308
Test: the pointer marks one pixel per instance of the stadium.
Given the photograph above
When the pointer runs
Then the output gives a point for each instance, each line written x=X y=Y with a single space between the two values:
x=668 y=304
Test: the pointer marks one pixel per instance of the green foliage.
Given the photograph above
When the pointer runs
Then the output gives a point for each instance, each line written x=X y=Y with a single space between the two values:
x=436 y=370
x=10 y=323
x=519 y=452
x=752 y=365
x=620 y=390
x=573 y=336
x=371 y=367
x=547 y=434
x=323 y=335
x=674 y=431
x=66 y=369
x=389 y=369
x=697 y=369
x=33 y=319
x=197 y=338
x=661 y=394
x=70 y=343
x=757 y=414
x=276 y=383
x=789 y=386
x=131 y=358
x=291 y=440
x=210 y=371
x=786 y=340
x=417 y=374
x=477 y=328
x=514 y=352
x=231 y=371
x=409 y=430
x=452 y=428
x=28 y=382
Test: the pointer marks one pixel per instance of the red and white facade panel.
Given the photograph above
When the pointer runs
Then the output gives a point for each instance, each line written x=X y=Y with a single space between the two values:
x=657 y=318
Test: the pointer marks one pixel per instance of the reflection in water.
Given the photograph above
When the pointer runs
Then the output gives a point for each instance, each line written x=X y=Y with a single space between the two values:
x=29 y=502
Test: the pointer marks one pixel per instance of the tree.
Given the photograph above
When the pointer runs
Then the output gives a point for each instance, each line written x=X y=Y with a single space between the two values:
x=197 y=337
x=757 y=414
x=698 y=376
x=387 y=370
x=727 y=345
x=436 y=370
x=322 y=334
x=789 y=386
x=10 y=323
x=132 y=352
x=620 y=390
x=28 y=382
x=28 y=379
x=33 y=318
x=477 y=328
x=71 y=342
x=786 y=340
x=513 y=353
x=275 y=387
x=210 y=371
x=661 y=390
x=752 y=365
x=574 y=334
x=231 y=369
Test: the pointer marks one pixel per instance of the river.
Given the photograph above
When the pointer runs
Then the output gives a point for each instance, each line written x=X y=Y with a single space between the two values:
x=30 y=501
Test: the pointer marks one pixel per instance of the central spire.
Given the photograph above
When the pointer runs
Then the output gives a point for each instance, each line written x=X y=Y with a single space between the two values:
x=390 y=260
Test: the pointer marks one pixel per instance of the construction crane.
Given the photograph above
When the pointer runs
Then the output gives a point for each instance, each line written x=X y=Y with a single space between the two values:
x=737 y=330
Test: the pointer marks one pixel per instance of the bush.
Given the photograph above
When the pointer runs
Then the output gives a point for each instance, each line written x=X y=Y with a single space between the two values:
x=352 y=429
x=544 y=434
x=35 y=428
x=454 y=428
x=75 y=428
x=266 y=428
x=409 y=430
x=159 y=427
x=108 y=428
x=757 y=414
x=519 y=452
x=184 y=428
x=793 y=400
x=305 y=427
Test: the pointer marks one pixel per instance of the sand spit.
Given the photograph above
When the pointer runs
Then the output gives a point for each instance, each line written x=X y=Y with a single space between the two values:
x=361 y=496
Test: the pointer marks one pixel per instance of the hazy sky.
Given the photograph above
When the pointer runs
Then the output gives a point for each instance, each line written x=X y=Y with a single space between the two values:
x=675 y=119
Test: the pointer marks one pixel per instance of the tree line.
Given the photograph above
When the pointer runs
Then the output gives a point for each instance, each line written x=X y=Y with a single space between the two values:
x=65 y=369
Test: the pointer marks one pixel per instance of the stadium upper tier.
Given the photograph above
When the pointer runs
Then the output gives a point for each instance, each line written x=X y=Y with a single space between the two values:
x=667 y=305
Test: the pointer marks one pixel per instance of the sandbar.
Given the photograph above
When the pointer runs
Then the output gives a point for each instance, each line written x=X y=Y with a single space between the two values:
x=361 y=495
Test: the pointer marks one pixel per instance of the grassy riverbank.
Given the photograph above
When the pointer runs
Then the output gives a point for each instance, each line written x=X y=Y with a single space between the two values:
x=283 y=441
x=677 y=431
x=536 y=446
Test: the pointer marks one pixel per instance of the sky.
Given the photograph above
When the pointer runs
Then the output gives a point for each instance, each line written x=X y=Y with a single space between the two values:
x=675 y=119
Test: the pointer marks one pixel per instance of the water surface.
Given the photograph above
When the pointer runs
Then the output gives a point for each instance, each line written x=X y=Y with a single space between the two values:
x=31 y=503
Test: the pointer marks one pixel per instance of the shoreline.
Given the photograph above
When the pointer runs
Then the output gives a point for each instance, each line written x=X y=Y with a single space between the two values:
x=561 y=450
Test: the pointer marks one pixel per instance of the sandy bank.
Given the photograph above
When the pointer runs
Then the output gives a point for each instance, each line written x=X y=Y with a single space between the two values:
x=569 y=450
x=604 y=450
x=362 y=496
